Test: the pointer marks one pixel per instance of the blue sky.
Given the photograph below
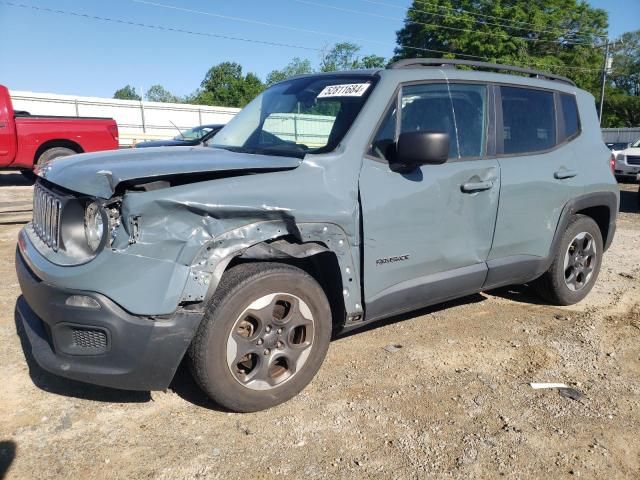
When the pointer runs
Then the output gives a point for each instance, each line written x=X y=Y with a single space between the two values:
x=48 y=52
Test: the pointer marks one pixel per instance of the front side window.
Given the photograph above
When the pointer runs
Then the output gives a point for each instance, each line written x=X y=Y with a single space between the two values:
x=529 y=120
x=456 y=109
x=296 y=117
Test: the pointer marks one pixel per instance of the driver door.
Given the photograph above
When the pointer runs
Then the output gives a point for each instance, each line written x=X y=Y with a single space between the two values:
x=427 y=233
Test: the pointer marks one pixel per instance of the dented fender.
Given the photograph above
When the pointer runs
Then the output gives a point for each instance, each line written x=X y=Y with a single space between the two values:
x=249 y=241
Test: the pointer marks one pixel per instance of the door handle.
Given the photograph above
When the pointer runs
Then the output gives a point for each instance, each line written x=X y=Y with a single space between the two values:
x=472 y=187
x=564 y=174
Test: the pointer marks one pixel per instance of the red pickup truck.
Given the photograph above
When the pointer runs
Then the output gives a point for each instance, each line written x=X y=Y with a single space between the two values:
x=28 y=140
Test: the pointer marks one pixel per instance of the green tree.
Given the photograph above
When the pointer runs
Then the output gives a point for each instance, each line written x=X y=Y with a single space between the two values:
x=157 y=93
x=373 y=61
x=621 y=111
x=626 y=63
x=342 y=56
x=127 y=93
x=225 y=85
x=345 y=56
x=555 y=35
x=297 y=66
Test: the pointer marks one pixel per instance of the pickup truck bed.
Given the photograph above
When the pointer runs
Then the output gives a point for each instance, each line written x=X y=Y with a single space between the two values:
x=27 y=140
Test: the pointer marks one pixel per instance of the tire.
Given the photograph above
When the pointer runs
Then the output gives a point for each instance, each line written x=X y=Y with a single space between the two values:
x=566 y=286
x=245 y=315
x=52 y=153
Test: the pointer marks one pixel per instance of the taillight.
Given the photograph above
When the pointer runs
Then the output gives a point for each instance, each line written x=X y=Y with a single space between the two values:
x=113 y=130
x=612 y=163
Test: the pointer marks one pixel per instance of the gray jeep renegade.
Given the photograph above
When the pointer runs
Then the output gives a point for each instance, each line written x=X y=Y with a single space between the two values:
x=329 y=202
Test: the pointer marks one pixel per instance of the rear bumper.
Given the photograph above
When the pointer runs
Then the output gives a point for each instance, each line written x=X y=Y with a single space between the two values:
x=104 y=346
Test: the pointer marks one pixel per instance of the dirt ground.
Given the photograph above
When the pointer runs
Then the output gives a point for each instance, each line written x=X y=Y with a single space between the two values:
x=454 y=401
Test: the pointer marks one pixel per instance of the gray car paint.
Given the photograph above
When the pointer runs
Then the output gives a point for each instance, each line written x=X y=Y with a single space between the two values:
x=177 y=225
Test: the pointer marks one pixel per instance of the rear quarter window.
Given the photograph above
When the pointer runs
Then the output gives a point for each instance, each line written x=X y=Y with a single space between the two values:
x=570 y=115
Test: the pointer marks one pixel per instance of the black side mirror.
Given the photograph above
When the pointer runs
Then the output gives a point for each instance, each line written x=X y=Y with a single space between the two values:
x=420 y=148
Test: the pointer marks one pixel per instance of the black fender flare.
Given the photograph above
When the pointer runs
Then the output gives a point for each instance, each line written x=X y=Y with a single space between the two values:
x=596 y=199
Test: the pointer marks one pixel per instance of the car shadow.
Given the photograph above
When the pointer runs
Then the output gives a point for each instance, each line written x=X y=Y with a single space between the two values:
x=629 y=201
x=16 y=179
x=475 y=298
x=51 y=383
x=184 y=385
x=8 y=450
x=520 y=294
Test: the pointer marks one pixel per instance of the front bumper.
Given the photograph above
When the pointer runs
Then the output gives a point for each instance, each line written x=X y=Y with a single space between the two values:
x=105 y=346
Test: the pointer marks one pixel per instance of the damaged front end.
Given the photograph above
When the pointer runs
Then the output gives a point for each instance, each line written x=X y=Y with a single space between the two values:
x=157 y=243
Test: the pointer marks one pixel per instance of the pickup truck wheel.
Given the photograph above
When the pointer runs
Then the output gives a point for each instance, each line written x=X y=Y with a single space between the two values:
x=263 y=337
x=576 y=263
x=52 y=153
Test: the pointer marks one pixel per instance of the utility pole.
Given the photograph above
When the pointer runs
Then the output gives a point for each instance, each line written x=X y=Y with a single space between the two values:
x=605 y=66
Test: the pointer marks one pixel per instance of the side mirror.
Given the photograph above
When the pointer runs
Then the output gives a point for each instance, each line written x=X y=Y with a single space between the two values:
x=420 y=148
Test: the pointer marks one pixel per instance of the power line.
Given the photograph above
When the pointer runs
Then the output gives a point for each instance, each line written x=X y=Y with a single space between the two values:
x=236 y=38
x=508 y=22
x=415 y=22
x=297 y=29
x=156 y=27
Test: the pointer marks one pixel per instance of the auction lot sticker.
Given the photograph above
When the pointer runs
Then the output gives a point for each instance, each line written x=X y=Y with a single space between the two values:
x=347 y=90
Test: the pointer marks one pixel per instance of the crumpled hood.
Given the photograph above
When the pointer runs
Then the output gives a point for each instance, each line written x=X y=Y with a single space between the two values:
x=98 y=174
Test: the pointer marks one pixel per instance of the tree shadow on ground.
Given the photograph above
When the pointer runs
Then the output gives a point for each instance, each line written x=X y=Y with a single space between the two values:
x=629 y=201
x=7 y=455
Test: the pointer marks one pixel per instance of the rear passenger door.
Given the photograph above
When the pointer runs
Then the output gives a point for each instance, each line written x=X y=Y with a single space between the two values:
x=539 y=173
x=427 y=232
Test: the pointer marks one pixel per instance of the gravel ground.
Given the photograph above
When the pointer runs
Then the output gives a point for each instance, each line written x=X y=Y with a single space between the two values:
x=454 y=401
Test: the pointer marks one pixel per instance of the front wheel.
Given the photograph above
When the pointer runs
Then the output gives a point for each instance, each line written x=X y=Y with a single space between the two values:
x=575 y=265
x=263 y=338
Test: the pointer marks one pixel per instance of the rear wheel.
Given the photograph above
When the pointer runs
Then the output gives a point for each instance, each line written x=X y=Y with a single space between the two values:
x=52 y=153
x=263 y=337
x=576 y=263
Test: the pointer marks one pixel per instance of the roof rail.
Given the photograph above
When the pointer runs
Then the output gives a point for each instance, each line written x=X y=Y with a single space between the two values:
x=446 y=62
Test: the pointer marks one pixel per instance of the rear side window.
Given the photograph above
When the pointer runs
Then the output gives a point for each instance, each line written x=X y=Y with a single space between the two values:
x=529 y=120
x=570 y=115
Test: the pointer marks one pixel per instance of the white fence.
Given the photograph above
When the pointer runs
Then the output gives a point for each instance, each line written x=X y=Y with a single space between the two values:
x=136 y=120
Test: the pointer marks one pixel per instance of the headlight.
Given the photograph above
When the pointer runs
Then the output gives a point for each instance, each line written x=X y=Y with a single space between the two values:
x=94 y=227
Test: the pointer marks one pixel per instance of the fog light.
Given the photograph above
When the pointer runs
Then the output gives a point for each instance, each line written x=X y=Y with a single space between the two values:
x=82 y=301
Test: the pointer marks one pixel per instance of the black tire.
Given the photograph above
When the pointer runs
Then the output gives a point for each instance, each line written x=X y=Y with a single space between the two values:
x=238 y=288
x=553 y=285
x=52 y=153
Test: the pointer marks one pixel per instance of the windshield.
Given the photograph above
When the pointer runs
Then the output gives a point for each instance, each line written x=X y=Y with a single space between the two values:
x=195 y=133
x=296 y=117
x=636 y=144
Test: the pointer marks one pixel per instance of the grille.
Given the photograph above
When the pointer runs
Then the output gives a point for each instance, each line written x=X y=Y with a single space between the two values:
x=633 y=160
x=85 y=338
x=46 y=216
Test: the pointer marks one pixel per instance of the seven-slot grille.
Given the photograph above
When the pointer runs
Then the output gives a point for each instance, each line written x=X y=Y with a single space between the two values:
x=633 y=160
x=46 y=216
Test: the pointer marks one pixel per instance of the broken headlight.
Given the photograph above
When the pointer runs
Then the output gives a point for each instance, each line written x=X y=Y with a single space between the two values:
x=94 y=226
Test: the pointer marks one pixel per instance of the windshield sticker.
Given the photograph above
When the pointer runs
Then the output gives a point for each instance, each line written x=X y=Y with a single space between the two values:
x=348 y=90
